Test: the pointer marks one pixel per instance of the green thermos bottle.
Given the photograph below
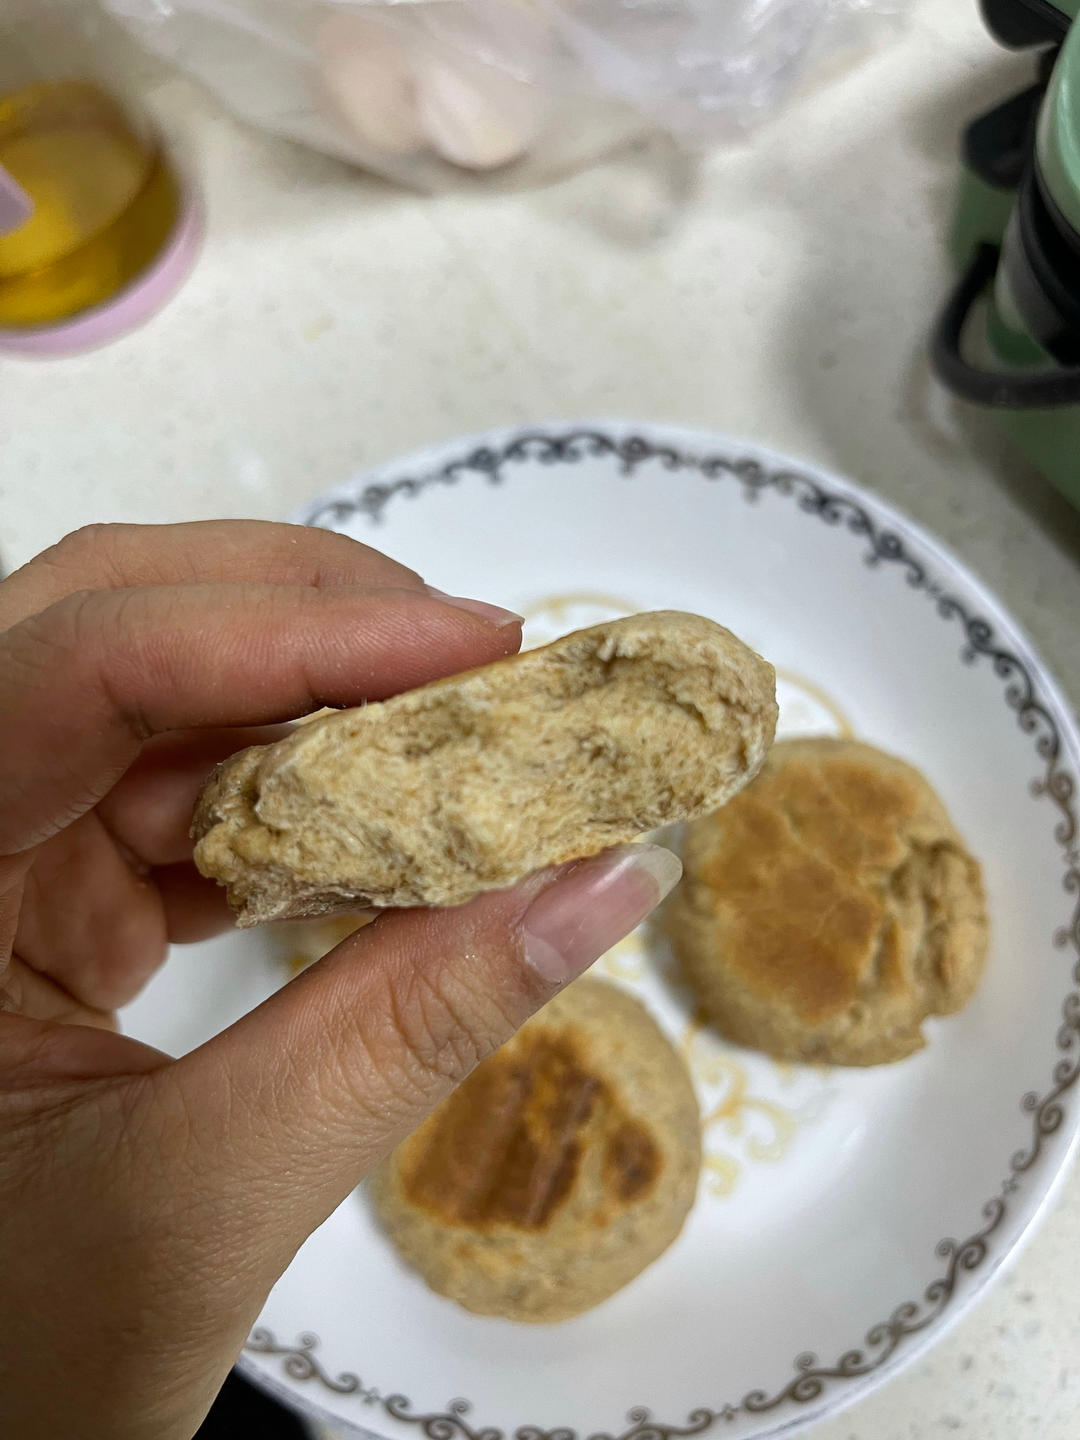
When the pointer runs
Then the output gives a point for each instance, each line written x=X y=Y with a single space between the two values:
x=1017 y=240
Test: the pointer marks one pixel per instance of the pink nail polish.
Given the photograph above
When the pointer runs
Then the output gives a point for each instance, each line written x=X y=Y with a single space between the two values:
x=593 y=905
x=494 y=613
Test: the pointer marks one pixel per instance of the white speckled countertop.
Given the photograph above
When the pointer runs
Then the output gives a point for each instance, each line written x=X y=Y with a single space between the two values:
x=781 y=292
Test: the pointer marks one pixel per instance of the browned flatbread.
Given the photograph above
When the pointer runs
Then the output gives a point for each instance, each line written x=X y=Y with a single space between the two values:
x=473 y=782
x=830 y=908
x=565 y=1165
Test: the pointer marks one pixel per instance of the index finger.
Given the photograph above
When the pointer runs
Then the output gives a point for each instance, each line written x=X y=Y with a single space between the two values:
x=113 y=557
x=86 y=682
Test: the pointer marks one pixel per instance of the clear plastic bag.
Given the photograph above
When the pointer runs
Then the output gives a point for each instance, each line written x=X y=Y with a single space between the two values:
x=424 y=90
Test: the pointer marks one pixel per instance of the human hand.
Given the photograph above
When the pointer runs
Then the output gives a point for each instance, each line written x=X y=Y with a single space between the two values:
x=148 y=1205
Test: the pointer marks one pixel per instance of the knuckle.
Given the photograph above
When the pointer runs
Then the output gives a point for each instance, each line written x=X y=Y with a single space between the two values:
x=86 y=637
x=67 y=625
x=103 y=628
x=444 y=1023
x=68 y=628
x=38 y=643
x=89 y=546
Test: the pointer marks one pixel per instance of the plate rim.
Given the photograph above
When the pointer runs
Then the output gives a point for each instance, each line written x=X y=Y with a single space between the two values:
x=1042 y=712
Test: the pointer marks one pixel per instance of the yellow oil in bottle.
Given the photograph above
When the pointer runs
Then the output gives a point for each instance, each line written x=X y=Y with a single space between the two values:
x=104 y=202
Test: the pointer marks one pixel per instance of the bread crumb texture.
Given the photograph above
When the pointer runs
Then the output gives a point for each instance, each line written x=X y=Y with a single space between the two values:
x=473 y=782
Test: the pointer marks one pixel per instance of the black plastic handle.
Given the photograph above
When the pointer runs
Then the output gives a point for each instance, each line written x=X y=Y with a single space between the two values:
x=1001 y=390
x=1023 y=23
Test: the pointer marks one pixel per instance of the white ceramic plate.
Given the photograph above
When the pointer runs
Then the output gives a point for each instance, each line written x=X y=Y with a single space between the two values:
x=845 y=1218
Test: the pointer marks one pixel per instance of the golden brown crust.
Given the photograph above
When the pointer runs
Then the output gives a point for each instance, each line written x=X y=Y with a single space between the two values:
x=830 y=908
x=564 y=1165
x=475 y=781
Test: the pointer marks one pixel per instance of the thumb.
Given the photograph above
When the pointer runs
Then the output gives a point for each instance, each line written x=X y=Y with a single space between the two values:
x=291 y=1106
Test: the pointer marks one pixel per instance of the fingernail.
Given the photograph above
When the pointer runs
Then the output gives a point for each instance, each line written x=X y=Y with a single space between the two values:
x=495 y=613
x=591 y=906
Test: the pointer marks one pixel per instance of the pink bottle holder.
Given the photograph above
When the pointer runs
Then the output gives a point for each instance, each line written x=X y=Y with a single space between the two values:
x=124 y=311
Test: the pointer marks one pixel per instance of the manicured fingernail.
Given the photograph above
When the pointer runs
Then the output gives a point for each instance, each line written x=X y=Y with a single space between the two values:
x=495 y=613
x=591 y=906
